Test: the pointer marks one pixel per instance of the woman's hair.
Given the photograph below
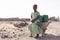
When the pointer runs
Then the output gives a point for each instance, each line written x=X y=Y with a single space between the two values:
x=34 y=5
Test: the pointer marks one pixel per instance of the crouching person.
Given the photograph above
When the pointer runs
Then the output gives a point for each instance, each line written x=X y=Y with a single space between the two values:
x=34 y=27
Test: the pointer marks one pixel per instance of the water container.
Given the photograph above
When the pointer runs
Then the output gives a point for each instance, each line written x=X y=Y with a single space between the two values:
x=45 y=18
x=41 y=18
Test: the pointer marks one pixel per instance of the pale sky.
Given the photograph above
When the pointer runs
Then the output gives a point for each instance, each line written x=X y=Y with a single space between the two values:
x=23 y=8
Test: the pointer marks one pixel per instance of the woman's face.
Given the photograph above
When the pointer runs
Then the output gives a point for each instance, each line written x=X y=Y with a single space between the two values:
x=34 y=8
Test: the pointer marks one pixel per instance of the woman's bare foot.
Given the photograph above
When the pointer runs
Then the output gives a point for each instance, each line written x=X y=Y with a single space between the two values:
x=31 y=35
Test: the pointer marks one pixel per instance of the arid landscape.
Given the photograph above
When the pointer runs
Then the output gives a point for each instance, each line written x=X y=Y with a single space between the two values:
x=9 y=32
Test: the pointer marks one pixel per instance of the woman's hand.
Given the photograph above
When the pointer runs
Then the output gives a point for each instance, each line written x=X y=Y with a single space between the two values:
x=32 y=21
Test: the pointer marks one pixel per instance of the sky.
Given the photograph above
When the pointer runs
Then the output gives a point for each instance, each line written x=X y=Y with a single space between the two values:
x=23 y=8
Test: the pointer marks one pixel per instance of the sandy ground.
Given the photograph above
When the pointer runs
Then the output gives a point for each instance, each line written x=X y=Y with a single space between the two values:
x=54 y=28
x=9 y=32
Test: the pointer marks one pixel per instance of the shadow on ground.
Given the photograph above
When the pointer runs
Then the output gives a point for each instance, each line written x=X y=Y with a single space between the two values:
x=49 y=37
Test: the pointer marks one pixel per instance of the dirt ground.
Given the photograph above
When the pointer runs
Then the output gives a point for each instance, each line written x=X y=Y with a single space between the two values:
x=9 y=32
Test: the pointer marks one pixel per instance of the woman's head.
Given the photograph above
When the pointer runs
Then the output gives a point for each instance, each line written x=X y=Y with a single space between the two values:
x=35 y=7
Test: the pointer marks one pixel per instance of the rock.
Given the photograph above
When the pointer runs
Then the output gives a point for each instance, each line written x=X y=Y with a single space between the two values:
x=4 y=36
x=21 y=30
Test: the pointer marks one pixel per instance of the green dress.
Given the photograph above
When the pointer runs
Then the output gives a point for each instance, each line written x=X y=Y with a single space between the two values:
x=34 y=28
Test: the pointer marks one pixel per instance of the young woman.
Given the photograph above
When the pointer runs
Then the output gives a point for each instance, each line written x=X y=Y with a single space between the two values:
x=34 y=28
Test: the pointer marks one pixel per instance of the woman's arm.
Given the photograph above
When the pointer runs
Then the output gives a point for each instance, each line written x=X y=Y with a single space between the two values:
x=35 y=19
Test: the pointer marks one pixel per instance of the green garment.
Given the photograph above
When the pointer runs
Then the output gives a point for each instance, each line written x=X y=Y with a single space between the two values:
x=34 y=28
x=34 y=15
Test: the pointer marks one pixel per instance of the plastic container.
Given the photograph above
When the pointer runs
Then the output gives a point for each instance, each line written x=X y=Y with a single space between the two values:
x=45 y=18
x=41 y=18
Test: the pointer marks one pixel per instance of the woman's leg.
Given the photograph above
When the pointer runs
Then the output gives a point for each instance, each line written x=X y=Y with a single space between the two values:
x=37 y=35
x=31 y=35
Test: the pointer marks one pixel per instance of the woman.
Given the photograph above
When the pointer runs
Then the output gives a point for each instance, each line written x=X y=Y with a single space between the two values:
x=34 y=28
